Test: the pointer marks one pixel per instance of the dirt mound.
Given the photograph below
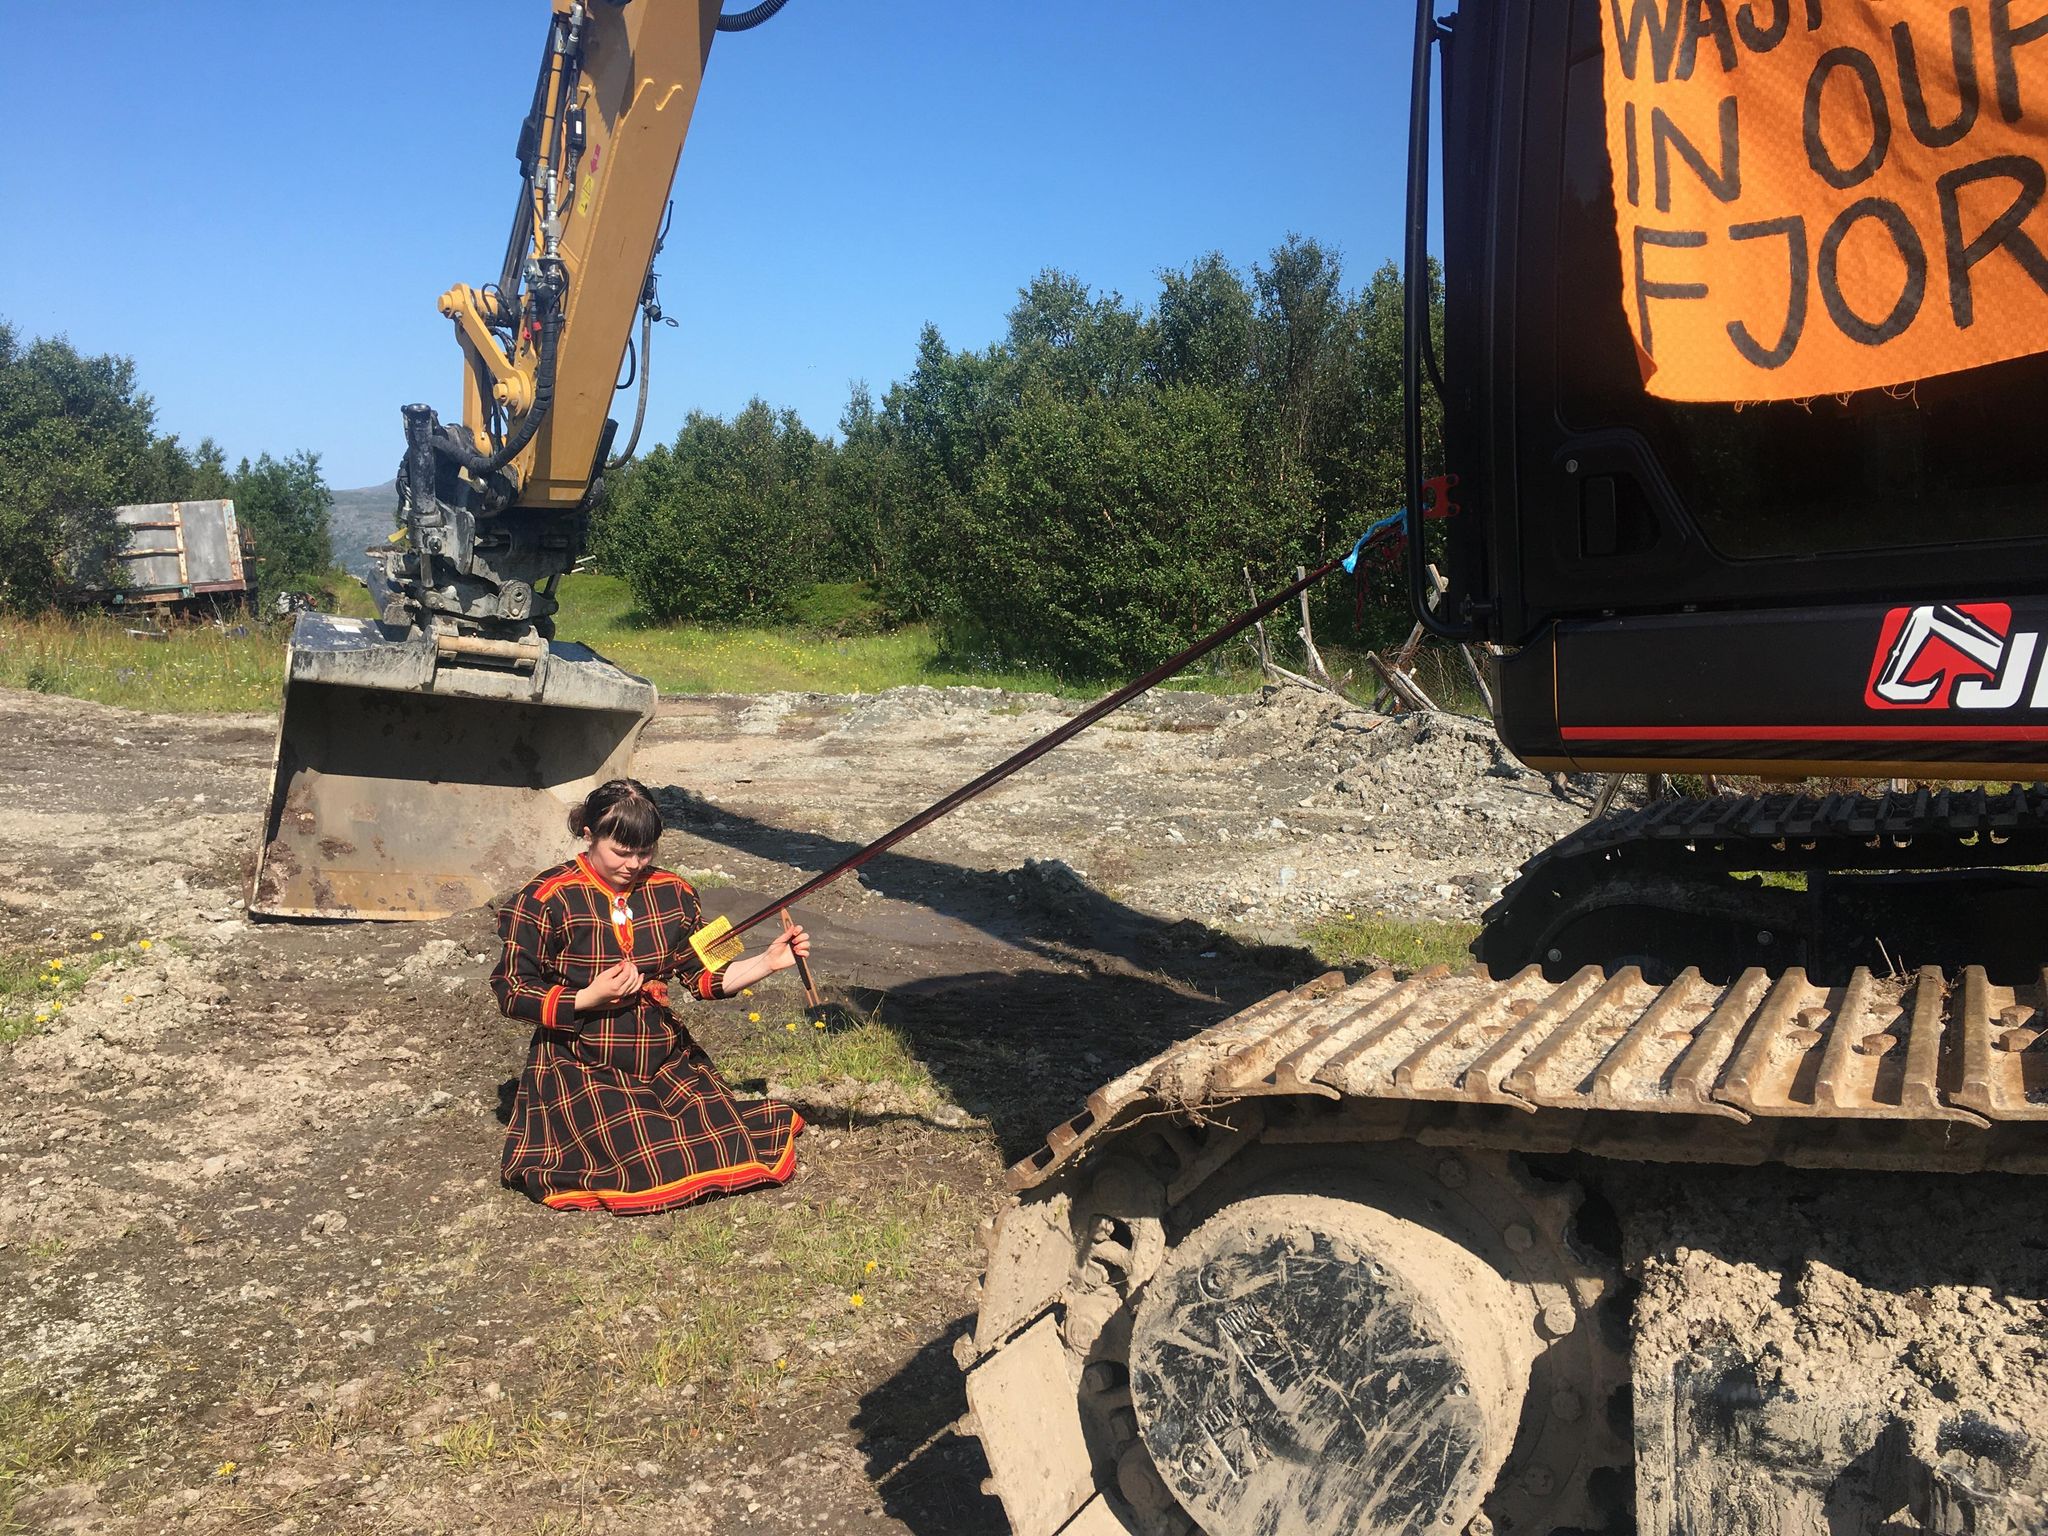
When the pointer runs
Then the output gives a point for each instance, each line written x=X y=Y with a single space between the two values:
x=1263 y=812
x=1418 y=814
x=1286 y=719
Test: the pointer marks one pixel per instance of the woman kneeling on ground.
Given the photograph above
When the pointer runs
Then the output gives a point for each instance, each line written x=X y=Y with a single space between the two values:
x=617 y=1106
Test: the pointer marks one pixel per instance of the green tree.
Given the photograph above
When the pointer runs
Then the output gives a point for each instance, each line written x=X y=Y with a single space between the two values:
x=208 y=479
x=1087 y=492
x=866 y=492
x=1204 y=327
x=1103 y=534
x=1298 y=340
x=728 y=523
x=940 y=423
x=77 y=439
x=284 y=504
x=1062 y=335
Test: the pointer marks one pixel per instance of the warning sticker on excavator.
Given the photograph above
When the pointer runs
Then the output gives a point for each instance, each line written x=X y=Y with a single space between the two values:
x=1819 y=196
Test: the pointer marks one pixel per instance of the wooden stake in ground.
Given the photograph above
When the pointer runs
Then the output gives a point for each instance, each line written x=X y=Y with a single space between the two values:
x=1259 y=629
x=1400 y=685
x=1271 y=669
x=1478 y=678
x=1308 y=639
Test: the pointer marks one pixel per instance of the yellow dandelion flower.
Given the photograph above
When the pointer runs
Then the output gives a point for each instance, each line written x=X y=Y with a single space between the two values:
x=56 y=965
x=782 y=1364
x=746 y=991
x=753 y=1018
x=225 y=1469
x=790 y=1026
x=142 y=943
x=817 y=1023
x=856 y=1300
x=870 y=1268
x=97 y=936
x=42 y=1018
x=56 y=1007
x=128 y=997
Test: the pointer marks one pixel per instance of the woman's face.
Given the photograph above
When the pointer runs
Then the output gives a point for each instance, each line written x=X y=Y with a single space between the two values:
x=617 y=865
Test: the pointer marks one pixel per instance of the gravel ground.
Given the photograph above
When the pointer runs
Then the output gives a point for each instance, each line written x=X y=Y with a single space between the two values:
x=264 y=1277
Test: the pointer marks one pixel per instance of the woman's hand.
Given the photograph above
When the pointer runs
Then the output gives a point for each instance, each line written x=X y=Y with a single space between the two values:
x=778 y=956
x=609 y=988
x=789 y=943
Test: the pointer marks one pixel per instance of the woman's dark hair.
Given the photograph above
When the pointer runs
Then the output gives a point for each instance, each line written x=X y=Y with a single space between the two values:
x=622 y=810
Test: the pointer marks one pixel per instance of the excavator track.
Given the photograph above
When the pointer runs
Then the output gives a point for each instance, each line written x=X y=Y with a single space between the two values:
x=1950 y=1072
x=1883 y=874
x=1469 y=1156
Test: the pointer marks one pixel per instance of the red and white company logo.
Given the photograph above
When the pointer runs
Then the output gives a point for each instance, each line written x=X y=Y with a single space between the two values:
x=1953 y=656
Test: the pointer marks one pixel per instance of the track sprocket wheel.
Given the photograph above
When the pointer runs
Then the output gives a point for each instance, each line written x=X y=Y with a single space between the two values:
x=1248 y=1323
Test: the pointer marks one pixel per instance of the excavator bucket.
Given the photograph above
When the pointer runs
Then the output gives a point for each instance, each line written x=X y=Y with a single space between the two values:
x=416 y=777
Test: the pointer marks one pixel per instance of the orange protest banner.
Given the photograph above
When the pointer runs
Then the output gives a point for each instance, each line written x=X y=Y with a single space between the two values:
x=1819 y=196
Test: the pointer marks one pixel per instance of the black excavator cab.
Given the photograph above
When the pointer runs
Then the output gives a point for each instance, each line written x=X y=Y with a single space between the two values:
x=1712 y=585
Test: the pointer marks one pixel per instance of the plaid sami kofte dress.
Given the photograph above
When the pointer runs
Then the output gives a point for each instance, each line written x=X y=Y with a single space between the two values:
x=619 y=1107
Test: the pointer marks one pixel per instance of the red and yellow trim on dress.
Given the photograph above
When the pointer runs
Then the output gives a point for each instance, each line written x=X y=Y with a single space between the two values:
x=711 y=1181
x=551 y=1005
x=622 y=929
x=567 y=877
x=589 y=873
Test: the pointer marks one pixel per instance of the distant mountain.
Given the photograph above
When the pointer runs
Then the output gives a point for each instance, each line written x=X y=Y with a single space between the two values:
x=359 y=519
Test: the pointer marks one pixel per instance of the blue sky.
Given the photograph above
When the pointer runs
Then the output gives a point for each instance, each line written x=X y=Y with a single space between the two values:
x=260 y=202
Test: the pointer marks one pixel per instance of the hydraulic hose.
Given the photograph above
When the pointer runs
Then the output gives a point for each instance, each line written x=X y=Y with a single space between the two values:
x=744 y=21
x=646 y=370
x=543 y=395
x=484 y=466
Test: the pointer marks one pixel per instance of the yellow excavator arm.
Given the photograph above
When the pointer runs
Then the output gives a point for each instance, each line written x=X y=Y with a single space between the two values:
x=495 y=507
x=424 y=761
x=617 y=87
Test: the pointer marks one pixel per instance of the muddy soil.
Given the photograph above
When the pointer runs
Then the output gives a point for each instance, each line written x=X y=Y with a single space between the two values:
x=262 y=1275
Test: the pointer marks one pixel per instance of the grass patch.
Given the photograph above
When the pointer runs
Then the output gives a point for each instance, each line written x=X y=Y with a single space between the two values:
x=40 y=1438
x=799 y=1054
x=199 y=669
x=350 y=598
x=705 y=879
x=701 y=658
x=683 y=1327
x=1777 y=879
x=34 y=988
x=847 y=1246
x=470 y=1446
x=670 y=1334
x=1404 y=943
x=840 y=608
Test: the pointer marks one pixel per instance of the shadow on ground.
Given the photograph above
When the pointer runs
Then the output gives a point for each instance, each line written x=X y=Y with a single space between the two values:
x=1020 y=991
x=929 y=1477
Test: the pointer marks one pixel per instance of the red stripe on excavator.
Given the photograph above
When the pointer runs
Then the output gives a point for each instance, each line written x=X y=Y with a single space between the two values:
x=1804 y=732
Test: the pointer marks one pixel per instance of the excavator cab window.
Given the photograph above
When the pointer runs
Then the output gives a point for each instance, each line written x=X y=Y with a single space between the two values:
x=1601 y=498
